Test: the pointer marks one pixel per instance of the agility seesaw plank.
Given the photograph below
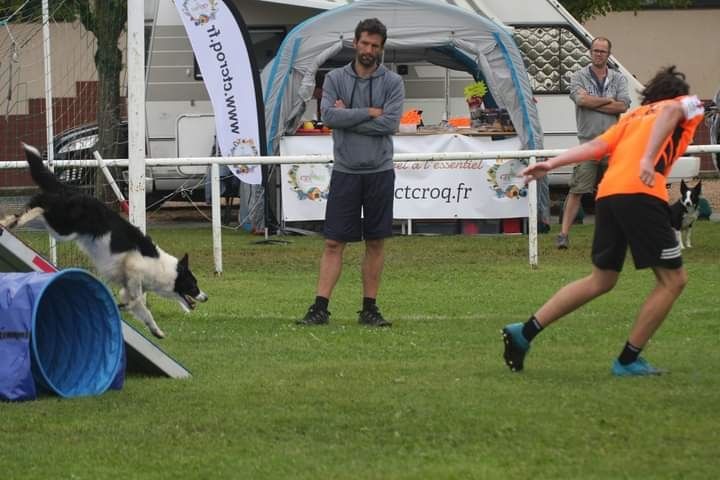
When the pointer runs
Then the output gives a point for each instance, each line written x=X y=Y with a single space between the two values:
x=143 y=356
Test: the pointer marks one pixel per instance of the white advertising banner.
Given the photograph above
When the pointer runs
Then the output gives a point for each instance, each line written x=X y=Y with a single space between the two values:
x=467 y=189
x=220 y=42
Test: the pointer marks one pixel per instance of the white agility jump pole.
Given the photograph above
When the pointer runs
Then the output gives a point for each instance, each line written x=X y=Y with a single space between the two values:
x=111 y=181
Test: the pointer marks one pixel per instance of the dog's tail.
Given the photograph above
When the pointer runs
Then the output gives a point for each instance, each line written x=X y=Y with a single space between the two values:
x=43 y=177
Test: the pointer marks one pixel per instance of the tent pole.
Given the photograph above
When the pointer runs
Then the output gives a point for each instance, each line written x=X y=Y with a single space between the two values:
x=446 y=115
x=266 y=212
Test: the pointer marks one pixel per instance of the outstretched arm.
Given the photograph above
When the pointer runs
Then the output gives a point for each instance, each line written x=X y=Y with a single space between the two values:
x=581 y=153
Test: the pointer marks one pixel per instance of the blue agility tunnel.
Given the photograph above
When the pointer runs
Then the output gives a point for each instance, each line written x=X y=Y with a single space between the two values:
x=59 y=332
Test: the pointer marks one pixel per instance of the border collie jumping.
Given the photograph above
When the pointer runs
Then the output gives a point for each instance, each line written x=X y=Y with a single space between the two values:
x=121 y=253
x=684 y=212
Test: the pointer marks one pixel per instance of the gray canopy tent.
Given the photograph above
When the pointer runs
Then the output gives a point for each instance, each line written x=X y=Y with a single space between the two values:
x=418 y=30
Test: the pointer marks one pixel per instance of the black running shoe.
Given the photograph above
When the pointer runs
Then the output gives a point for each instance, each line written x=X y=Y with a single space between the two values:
x=315 y=316
x=372 y=318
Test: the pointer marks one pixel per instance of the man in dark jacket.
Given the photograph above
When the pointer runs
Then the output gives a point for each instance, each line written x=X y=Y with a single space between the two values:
x=362 y=102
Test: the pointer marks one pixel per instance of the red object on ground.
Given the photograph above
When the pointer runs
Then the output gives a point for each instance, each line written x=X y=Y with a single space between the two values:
x=512 y=225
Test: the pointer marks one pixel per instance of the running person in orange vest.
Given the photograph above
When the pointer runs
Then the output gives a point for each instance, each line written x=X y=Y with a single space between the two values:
x=631 y=210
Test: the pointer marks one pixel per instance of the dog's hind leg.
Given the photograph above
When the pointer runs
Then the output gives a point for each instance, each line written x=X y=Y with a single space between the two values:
x=678 y=235
x=122 y=299
x=136 y=305
x=29 y=215
x=9 y=221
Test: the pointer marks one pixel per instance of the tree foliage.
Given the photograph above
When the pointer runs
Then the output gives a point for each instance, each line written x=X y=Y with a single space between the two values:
x=587 y=9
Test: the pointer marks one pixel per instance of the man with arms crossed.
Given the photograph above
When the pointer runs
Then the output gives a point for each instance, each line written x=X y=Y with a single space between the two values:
x=631 y=210
x=362 y=102
x=600 y=95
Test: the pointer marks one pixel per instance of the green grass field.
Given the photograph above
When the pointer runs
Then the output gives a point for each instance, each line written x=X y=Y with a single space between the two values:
x=429 y=398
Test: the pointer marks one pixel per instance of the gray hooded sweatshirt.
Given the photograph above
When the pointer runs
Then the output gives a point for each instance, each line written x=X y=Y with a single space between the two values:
x=362 y=144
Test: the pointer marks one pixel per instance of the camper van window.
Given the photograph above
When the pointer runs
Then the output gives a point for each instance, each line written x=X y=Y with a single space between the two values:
x=265 y=43
x=552 y=54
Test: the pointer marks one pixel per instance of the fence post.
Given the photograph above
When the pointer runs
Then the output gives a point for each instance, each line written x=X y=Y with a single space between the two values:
x=532 y=220
x=216 y=225
x=136 y=112
x=48 y=109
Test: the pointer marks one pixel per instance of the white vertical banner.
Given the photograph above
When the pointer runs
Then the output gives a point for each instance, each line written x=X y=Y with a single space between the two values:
x=221 y=44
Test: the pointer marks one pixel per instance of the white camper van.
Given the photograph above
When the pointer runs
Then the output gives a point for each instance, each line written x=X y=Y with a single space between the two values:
x=553 y=43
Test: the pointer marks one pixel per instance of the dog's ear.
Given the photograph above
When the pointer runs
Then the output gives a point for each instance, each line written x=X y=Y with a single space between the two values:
x=683 y=186
x=184 y=261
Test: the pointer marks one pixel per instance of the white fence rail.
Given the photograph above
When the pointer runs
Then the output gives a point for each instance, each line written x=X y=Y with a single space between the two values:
x=214 y=162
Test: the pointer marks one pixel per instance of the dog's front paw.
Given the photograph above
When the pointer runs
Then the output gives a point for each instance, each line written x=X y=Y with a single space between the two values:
x=157 y=332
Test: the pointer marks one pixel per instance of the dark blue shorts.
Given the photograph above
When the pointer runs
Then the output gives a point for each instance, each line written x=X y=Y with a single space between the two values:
x=350 y=194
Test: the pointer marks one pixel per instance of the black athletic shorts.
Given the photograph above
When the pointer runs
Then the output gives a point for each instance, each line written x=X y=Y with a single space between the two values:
x=350 y=194
x=639 y=221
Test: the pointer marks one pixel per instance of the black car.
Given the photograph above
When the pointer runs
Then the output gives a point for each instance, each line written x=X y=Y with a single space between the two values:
x=79 y=144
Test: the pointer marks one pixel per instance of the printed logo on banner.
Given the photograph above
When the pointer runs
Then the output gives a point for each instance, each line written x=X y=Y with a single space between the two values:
x=505 y=179
x=200 y=12
x=310 y=182
x=243 y=147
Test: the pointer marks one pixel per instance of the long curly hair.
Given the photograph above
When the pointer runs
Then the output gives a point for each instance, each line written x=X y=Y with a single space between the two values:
x=667 y=83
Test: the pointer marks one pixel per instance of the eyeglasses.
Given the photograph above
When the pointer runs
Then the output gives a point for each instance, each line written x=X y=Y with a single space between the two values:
x=602 y=52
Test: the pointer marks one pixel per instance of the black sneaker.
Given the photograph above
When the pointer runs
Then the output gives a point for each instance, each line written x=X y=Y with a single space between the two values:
x=315 y=316
x=372 y=318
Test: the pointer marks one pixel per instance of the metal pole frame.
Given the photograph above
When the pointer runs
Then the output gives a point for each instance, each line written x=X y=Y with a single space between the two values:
x=136 y=112
x=49 y=131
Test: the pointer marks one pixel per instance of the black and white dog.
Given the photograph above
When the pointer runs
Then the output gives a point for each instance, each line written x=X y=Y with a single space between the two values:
x=121 y=253
x=684 y=212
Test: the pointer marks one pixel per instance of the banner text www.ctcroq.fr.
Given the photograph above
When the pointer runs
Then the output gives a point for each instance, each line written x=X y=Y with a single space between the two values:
x=227 y=79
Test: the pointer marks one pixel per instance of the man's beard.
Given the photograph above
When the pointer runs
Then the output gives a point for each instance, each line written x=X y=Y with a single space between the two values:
x=367 y=60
